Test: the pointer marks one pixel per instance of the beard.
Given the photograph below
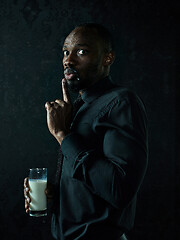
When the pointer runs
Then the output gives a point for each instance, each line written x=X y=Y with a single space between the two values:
x=79 y=83
x=83 y=78
x=75 y=84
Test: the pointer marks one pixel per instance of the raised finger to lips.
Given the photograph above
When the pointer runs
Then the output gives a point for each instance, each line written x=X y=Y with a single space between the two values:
x=66 y=96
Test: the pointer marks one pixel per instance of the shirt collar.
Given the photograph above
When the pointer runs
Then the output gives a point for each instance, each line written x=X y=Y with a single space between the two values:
x=97 y=89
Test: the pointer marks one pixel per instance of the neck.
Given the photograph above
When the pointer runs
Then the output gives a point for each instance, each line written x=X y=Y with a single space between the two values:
x=85 y=89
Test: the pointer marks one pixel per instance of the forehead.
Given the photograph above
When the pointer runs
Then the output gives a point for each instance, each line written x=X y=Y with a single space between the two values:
x=83 y=36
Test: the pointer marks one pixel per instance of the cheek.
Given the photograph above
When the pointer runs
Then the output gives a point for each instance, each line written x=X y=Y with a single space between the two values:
x=89 y=69
x=91 y=64
x=63 y=61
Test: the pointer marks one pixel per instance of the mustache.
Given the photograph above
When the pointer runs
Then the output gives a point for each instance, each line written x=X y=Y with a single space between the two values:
x=70 y=70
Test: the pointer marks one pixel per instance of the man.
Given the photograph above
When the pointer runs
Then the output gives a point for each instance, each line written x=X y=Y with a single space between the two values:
x=104 y=143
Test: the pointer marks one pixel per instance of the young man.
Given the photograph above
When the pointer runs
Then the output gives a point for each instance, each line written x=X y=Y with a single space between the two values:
x=103 y=142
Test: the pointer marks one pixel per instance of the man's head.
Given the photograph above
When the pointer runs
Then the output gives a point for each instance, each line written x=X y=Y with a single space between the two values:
x=88 y=54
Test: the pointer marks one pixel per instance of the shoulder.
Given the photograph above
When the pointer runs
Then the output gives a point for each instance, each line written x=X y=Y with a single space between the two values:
x=118 y=99
x=119 y=94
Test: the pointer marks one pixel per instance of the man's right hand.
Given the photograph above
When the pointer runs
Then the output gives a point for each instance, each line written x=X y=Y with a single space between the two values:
x=49 y=191
x=26 y=194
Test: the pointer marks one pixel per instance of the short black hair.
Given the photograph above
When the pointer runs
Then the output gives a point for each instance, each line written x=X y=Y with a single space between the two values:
x=102 y=32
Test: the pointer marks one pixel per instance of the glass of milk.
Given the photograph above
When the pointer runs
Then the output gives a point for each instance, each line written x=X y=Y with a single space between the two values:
x=37 y=185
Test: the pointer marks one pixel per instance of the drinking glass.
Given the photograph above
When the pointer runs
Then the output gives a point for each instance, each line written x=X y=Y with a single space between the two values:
x=38 y=184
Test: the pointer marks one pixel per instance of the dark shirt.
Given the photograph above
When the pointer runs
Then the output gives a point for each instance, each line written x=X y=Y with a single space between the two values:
x=105 y=159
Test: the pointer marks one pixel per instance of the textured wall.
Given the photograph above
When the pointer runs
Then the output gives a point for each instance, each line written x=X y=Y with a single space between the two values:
x=31 y=34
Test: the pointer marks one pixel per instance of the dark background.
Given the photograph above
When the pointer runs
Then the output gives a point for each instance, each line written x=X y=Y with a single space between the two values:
x=31 y=34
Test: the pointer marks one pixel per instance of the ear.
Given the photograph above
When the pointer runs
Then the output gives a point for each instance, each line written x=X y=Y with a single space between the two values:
x=109 y=58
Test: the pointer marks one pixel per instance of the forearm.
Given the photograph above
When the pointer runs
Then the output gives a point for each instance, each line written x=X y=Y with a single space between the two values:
x=116 y=179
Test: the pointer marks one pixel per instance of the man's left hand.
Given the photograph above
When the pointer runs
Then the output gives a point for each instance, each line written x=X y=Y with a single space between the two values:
x=59 y=114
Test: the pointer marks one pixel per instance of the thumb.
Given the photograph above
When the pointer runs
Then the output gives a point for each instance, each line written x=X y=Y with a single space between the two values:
x=47 y=106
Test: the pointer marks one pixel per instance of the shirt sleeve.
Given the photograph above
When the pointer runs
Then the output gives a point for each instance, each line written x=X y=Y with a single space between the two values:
x=115 y=173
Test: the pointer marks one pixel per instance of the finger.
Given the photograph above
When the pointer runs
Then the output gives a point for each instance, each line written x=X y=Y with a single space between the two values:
x=26 y=182
x=28 y=200
x=26 y=187
x=60 y=102
x=26 y=192
x=47 y=106
x=66 y=96
x=48 y=193
x=27 y=207
x=26 y=204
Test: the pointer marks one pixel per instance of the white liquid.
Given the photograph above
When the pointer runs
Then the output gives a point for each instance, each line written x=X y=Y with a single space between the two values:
x=37 y=194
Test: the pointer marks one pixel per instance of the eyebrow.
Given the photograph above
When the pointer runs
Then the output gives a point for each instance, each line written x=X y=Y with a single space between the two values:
x=78 y=45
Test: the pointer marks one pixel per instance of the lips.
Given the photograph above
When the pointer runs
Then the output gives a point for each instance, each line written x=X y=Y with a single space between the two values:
x=70 y=73
x=69 y=76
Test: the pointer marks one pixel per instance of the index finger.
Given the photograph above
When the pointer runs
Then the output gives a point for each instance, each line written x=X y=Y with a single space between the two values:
x=66 y=96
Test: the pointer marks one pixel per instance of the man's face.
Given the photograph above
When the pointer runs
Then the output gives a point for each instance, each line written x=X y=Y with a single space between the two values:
x=83 y=59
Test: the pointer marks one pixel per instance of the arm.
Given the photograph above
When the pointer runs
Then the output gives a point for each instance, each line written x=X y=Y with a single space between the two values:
x=58 y=119
x=116 y=174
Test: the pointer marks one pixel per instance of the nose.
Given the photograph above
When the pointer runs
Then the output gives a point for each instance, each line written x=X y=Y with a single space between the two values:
x=69 y=61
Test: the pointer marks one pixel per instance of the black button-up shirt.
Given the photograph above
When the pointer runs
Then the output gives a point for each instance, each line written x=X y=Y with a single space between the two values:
x=105 y=158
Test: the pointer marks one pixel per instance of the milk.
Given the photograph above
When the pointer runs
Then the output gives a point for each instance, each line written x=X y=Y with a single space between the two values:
x=37 y=194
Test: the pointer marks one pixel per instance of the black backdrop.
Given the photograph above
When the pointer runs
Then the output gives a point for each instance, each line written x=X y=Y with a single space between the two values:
x=31 y=34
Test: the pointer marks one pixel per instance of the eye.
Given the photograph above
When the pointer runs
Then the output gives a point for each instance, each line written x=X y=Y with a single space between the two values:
x=82 y=52
x=66 y=53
